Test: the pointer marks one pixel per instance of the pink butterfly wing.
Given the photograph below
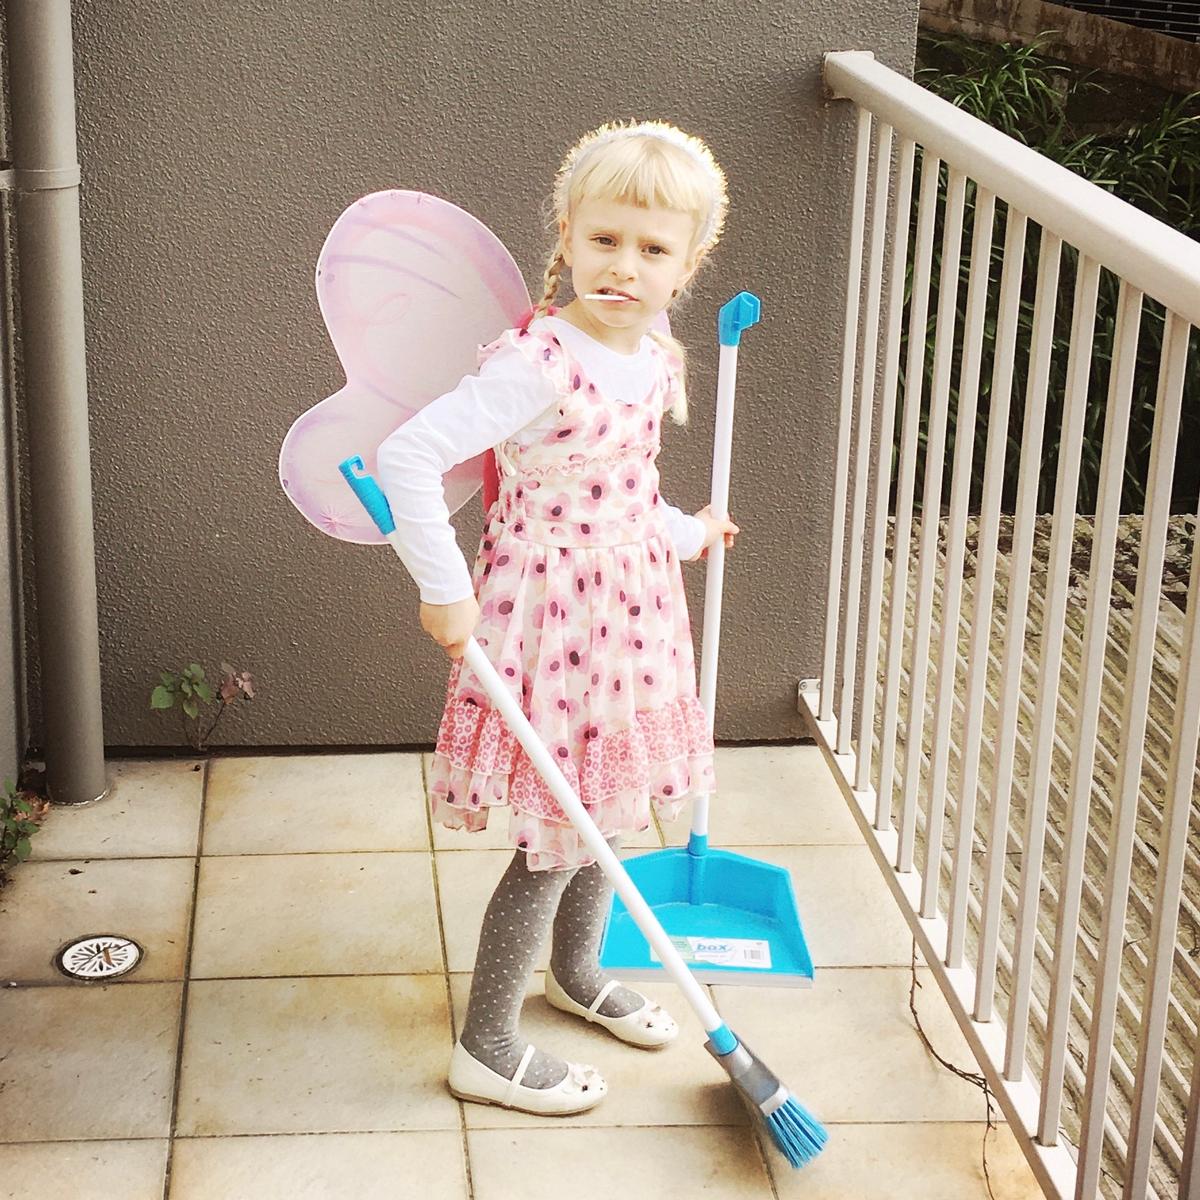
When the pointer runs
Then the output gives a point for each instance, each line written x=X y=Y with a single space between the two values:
x=410 y=286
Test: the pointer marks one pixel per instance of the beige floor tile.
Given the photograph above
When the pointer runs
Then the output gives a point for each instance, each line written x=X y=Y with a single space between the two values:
x=87 y=1062
x=772 y=796
x=466 y=882
x=345 y=1166
x=50 y=903
x=152 y=811
x=678 y=1085
x=341 y=1055
x=84 y=1171
x=930 y=1161
x=495 y=836
x=316 y=914
x=602 y=1164
x=295 y=804
x=849 y=1049
x=849 y=915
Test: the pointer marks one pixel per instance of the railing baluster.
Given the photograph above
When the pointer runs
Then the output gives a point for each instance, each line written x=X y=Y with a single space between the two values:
x=931 y=507
x=1044 y=305
x=960 y=494
x=837 y=537
x=985 y=576
x=1185 y=736
x=1095 y=633
x=1189 y=1172
x=1054 y=608
x=862 y=464
x=914 y=375
x=1133 y=729
x=883 y=478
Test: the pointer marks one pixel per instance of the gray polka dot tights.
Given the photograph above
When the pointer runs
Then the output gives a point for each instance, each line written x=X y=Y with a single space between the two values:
x=523 y=907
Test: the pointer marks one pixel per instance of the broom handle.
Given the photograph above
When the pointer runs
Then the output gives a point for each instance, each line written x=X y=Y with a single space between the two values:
x=610 y=864
x=739 y=313
x=371 y=496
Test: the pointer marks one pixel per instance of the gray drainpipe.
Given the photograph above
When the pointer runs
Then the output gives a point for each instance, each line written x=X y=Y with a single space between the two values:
x=46 y=172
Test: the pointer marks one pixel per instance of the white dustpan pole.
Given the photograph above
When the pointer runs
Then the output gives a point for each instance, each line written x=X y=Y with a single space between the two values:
x=610 y=864
x=714 y=578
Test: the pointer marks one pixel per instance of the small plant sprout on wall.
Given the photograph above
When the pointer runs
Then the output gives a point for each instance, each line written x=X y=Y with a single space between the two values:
x=191 y=692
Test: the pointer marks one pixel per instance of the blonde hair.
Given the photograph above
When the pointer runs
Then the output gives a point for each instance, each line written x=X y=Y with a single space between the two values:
x=653 y=165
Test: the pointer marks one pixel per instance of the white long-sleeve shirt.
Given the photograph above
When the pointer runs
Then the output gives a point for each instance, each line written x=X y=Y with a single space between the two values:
x=509 y=399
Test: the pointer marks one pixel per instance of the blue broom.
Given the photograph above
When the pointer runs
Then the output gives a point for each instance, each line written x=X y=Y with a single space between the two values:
x=797 y=1133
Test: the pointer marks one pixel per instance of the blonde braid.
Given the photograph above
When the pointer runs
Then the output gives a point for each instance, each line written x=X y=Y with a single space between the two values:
x=668 y=343
x=550 y=280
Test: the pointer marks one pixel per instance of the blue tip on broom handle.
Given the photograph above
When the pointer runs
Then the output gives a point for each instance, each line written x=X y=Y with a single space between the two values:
x=375 y=502
x=369 y=493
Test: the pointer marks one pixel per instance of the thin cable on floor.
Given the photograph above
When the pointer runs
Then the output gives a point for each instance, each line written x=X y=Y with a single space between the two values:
x=973 y=1077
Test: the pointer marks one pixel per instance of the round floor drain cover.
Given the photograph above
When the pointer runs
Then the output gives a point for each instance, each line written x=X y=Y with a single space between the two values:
x=101 y=956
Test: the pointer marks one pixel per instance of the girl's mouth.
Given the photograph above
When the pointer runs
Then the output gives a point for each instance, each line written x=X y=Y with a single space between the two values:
x=609 y=294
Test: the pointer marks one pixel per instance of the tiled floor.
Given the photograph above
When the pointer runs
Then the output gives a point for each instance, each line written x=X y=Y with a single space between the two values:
x=309 y=942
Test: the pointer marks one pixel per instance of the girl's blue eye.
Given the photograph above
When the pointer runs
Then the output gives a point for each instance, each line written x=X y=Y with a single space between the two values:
x=656 y=249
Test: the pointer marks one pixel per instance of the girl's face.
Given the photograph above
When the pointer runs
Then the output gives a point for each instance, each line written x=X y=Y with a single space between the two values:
x=642 y=255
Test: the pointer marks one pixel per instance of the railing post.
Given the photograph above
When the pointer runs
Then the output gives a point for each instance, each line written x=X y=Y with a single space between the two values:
x=883 y=478
x=914 y=375
x=837 y=536
x=1104 y=540
x=1133 y=731
x=964 y=445
x=862 y=458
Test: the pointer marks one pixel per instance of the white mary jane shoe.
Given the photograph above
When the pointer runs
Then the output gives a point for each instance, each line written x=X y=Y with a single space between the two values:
x=649 y=1026
x=583 y=1087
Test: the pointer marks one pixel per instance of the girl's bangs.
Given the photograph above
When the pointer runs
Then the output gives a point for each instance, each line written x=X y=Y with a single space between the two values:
x=625 y=172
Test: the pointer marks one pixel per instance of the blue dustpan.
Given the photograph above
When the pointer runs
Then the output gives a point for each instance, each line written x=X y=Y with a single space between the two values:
x=733 y=919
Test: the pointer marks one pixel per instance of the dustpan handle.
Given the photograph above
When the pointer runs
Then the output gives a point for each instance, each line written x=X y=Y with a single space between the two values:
x=610 y=864
x=736 y=315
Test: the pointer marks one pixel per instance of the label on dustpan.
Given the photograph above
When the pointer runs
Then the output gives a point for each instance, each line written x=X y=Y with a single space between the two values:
x=722 y=952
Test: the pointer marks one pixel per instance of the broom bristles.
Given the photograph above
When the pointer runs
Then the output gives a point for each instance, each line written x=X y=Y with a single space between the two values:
x=798 y=1134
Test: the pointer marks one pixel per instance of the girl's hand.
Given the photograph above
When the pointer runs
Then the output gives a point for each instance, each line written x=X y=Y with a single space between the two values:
x=714 y=531
x=450 y=625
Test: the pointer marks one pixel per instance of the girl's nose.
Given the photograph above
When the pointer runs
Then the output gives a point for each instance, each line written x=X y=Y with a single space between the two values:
x=623 y=265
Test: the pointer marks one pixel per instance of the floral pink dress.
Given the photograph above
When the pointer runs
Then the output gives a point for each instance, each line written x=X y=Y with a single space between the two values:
x=583 y=613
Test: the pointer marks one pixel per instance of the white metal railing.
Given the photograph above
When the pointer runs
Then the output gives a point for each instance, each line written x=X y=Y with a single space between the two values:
x=982 y=925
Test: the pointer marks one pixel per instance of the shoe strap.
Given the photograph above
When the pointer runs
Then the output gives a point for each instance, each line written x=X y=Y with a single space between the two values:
x=604 y=993
x=526 y=1058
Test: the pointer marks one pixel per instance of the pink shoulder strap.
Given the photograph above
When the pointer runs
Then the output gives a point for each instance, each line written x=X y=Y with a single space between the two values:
x=491 y=469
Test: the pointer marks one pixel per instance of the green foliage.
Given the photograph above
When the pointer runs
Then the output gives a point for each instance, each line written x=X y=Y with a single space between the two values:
x=1153 y=165
x=190 y=692
x=20 y=814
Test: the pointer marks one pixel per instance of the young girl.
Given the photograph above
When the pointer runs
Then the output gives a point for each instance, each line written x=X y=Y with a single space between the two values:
x=576 y=596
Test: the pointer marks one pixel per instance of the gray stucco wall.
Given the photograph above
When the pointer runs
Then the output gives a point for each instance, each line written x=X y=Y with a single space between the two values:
x=219 y=142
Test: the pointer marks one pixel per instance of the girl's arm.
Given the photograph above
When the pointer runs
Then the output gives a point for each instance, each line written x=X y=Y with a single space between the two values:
x=687 y=532
x=483 y=410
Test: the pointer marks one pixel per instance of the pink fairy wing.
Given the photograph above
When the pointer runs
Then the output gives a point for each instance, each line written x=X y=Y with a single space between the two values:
x=410 y=287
